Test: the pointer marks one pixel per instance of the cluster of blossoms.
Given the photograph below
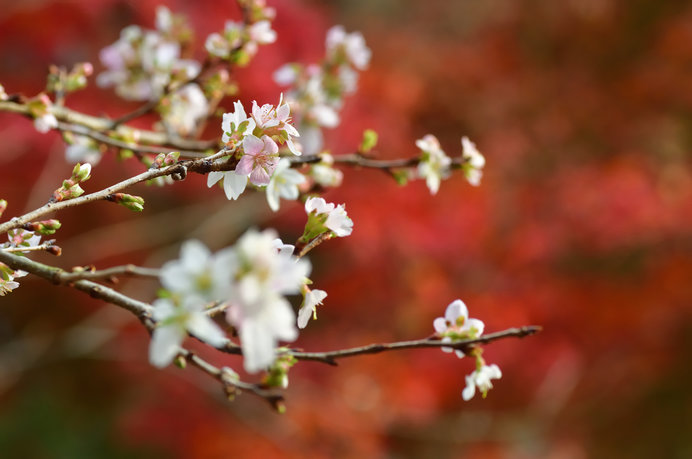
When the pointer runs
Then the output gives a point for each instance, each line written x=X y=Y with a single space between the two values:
x=316 y=91
x=144 y=62
x=17 y=239
x=239 y=41
x=255 y=140
x=252 y=278
x=456 y=326
x=435 y=165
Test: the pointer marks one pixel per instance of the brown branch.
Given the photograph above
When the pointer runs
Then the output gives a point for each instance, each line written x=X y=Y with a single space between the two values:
x=233 y=385
x=108 y=273
x=331 y=357
x=51 y=273
x=108 y=140
x=202 y=165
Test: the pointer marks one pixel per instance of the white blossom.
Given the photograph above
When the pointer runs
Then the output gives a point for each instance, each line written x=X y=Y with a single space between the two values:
x=474 y=161
x=337 y=220
x=198 y=273
x=456 y=325
x=283 y=183
x=311 y=300
x=174 y=321
x=188 y=107
x=351 y=44
x=82 y=150
x=233 y=184
x=324 y=174
x=480 y=379
x=45 y=122
x=434 y=164
x=258 y=309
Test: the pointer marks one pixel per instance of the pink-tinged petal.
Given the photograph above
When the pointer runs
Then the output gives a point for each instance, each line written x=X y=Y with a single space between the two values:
x=234 y=185
x=252 y=145
x=256 y=112
x=282 y=112
x=440 y=325
x=291 y=131
x=245 y=165
x=292 y=147
x=270 y=147
x=259 y=176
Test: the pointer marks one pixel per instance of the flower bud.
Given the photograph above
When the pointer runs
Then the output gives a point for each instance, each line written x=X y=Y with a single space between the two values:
x=134 y=203
x=369 y=141
x=44 y=227
x=3 y=206
x=81 y=172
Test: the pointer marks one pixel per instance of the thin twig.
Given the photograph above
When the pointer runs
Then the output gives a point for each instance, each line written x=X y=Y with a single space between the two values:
x=108 y=273
x=331 y=357
x=232 y=385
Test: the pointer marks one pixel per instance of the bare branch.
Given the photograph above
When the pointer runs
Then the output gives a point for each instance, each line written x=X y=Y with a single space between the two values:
x=331 y=357
x=108 y=273
x=51 y=273
x=201 y=166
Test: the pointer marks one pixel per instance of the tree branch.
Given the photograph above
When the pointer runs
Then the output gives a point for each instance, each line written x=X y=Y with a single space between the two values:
x=51 y=273
x=331 y=357
x=202 y=165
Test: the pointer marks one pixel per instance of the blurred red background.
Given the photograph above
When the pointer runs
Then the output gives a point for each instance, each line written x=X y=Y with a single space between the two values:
x=582 y=225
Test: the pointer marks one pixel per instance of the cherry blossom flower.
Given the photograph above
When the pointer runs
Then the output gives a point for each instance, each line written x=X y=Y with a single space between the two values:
x=236 y=125
x=480 y=379
x=265 y=271
x=174 y=321
x=311 y=299
x=456 y=325
x=82 y=149
x=45 y=122
x=474 y=161
x=351 y=44
x=324 y=174
x=261 y=33
x=283 y=183
x=188 y=107
x=198 y=273
x=259 y=160
x=7 y=285
x=233 y=184
x=143 y=62
x=336 y=219
x=276 y=123
x=434 y=164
